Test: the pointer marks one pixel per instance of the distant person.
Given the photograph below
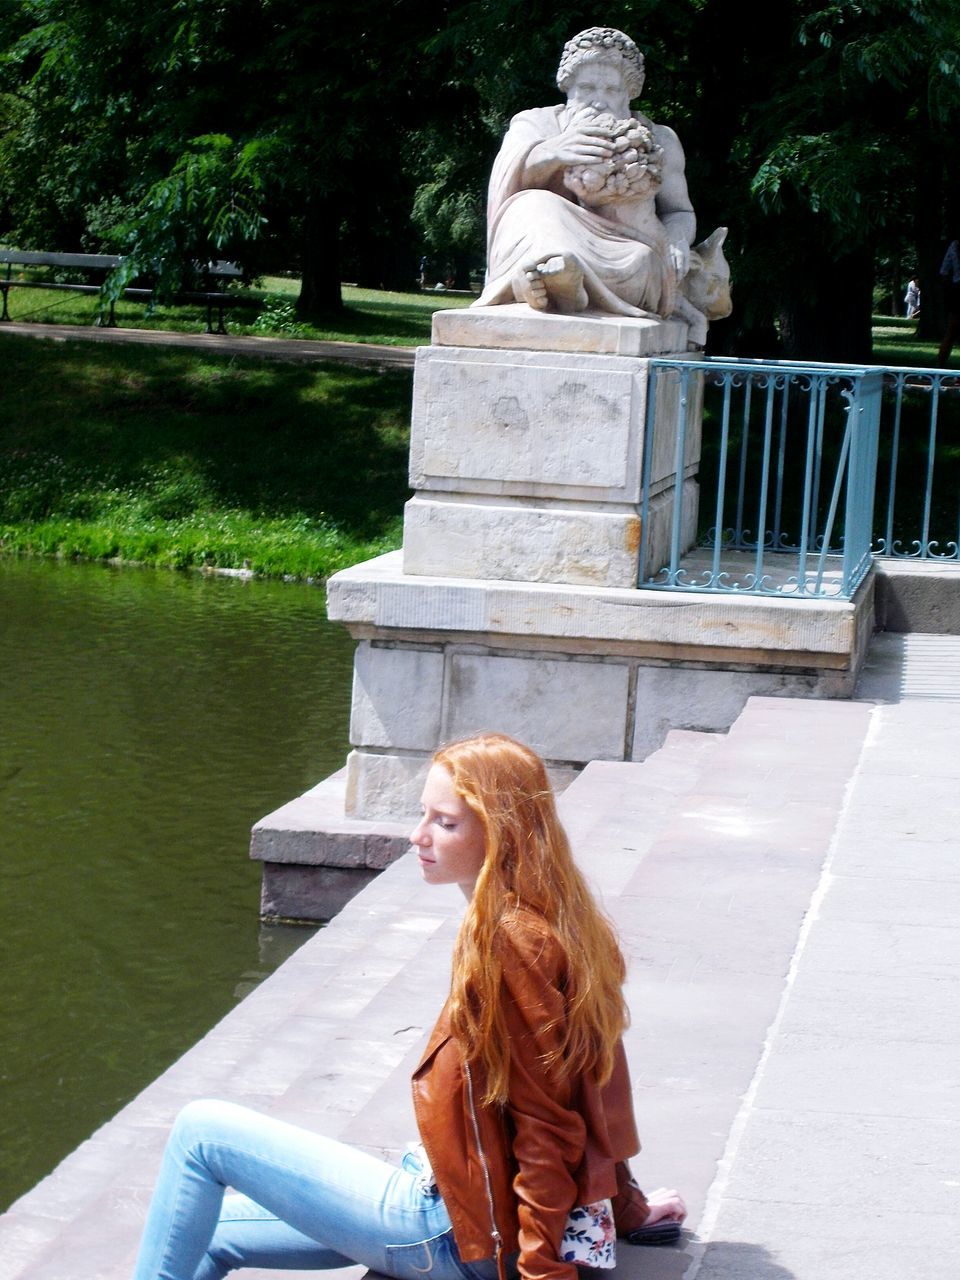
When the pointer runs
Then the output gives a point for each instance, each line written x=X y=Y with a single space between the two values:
x=522 y=1096
x=950 y=274
x=912 y=298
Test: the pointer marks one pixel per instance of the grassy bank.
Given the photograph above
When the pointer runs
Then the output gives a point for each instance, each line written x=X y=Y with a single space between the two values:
x=173 y=458
x=169 y=457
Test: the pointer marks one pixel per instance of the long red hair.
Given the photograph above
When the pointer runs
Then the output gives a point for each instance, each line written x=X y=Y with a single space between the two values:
x=528 y=863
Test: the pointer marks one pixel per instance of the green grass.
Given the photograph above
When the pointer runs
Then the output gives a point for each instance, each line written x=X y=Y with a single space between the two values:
x=895 y=342
x=173 y=457
x=180 y=458
x=369 y=315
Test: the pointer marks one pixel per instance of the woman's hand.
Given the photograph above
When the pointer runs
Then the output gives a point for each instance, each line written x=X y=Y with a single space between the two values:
x=666 y=1205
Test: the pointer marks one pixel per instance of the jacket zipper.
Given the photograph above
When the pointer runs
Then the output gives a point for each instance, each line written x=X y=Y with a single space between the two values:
x=494 y=1232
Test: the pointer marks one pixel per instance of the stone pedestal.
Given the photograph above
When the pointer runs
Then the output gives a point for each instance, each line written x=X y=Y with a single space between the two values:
x=580 y=673
x=526 y=448
x=514 y=605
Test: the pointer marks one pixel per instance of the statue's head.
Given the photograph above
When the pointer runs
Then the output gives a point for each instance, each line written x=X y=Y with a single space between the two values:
x=602 y=44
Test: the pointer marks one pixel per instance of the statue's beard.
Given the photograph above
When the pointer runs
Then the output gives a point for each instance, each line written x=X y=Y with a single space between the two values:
x=574 y=109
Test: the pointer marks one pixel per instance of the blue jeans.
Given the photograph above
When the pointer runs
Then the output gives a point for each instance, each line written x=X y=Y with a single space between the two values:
x=305 y=1202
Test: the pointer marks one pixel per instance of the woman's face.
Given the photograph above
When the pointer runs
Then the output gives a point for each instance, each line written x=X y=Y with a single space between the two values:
x=449 y=836
x=599 y=84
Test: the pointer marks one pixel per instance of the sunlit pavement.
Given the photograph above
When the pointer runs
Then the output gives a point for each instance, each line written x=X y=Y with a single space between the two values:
x=363 y=353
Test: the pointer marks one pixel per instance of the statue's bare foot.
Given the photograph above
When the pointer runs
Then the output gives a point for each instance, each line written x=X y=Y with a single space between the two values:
x=528 y=287
x=551 y=283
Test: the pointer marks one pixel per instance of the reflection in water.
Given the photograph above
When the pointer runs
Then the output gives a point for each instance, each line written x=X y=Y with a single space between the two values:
x=147 y=719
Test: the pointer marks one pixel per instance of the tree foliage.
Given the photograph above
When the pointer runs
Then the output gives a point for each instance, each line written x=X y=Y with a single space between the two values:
x=341 y=141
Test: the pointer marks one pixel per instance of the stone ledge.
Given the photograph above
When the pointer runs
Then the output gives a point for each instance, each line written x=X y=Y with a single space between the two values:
x=312 y=830
x=918 y=595
x=707 y=628
x=518 y=327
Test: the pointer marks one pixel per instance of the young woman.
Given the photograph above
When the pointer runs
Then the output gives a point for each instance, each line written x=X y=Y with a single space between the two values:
x=522 y=1096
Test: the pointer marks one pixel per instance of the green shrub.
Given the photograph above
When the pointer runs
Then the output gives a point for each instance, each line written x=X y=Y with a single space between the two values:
x=278 y=317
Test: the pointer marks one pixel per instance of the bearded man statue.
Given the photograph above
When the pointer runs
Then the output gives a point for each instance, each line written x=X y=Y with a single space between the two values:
x=588 y=206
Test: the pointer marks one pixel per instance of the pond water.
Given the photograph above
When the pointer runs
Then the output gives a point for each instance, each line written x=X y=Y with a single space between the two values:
x=147 y=719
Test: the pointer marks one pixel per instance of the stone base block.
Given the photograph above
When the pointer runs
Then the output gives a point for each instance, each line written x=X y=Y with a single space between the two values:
x=378 y=602
x=710 y=701
x=397 y=702
x=316 y=829
x=528 y=424
x=384 y=785
x=446 y=536
x=918 y=595
x=291 y=892
x=519 y=327
x=527 y=463
x=316 y=856
x=659 y=532
x=579 y=673
x=544 y=425
x=525 y=543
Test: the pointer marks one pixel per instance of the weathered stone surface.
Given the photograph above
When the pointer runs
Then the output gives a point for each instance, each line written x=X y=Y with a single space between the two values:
x=572 y=711
x=678 y=409
x=533 y=424
x=517 y=327
x=383 y=785
x=313 y=830
x=918 y=595
x=529 y=543
x=655 y=548
x=684 y=698
x=378 y=597
x=292 y=892
x=396 y=698
x=527 y=464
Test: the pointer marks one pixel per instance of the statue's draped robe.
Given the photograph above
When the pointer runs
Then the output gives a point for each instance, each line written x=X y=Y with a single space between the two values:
x=626 y=271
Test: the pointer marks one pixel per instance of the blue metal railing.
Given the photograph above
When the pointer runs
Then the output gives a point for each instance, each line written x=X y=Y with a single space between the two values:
x=918 y=482
x=787 y=477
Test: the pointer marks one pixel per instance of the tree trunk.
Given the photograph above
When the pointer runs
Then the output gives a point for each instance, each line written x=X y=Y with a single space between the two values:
x=461 y=270
x=827 y=312
x=320 y=258
x=928 y=206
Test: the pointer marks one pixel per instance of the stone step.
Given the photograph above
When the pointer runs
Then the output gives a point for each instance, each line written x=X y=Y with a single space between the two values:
x=913 y=666
x=614 y=811
x=315 y=859
x=855 y=1095
x=711 y=918
x=707 y=882
x=918 y=595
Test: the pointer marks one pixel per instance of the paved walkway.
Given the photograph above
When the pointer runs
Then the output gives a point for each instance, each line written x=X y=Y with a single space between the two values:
x=788 y=895
x=364 y=353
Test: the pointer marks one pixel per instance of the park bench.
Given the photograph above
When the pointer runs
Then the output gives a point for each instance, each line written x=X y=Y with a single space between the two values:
x=215 y=275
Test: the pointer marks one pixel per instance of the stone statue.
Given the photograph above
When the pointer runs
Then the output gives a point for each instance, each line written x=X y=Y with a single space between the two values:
x=588 y=206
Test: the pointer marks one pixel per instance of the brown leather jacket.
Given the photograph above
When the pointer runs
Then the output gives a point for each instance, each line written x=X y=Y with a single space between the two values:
x=510 y=1175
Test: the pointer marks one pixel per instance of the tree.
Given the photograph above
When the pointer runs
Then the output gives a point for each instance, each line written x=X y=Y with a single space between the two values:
x=817 y=135
x=305 y=135
x=255 y=129
x=861 y=143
